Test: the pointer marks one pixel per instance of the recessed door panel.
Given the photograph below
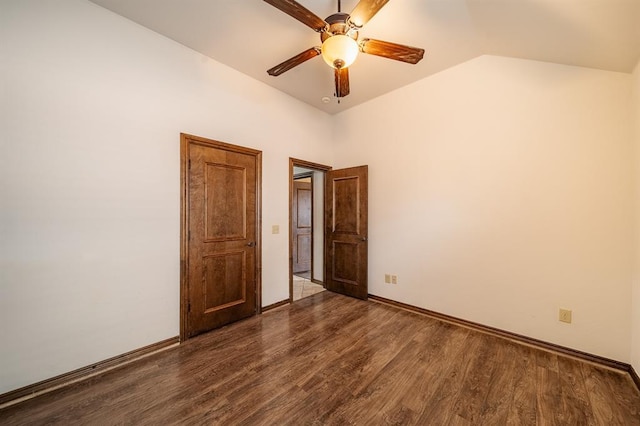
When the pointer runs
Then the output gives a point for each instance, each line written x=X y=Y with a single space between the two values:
x=222 y=273
x=226 y=202
x=345 y=262
x=346 y=217
x=303 y=212
x=303 y=254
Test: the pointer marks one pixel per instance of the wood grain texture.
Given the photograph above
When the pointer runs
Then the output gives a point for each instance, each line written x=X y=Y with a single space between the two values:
x=330 y=359
x=220 y=235
x=365 y=10
x=634 y=376
x=341 y=77
x=294 y=61
x=398 y=52
x=84 y=372
x=275 y=305
x=299 y=12
x=605 y=362
x=346 y=231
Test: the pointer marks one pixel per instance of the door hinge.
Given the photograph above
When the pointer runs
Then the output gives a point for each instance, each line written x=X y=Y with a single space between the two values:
x=189 y=307
x=189 y=163
x=188 y=235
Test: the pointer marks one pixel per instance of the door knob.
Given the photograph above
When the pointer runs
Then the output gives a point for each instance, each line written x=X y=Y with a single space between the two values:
x=364 y=238
x=251 y=244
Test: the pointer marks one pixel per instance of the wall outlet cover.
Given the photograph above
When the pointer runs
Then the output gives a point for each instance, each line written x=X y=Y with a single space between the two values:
x=565 y=315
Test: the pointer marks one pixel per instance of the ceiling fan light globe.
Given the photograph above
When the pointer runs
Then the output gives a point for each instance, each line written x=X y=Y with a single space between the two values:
x=339 y=51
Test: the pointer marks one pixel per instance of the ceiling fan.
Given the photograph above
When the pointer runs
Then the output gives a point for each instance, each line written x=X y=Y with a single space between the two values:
x=339 y=36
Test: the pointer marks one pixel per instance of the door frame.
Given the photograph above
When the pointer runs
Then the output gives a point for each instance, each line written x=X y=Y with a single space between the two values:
x=295 y=178
x=185 y=141
x=295 y=162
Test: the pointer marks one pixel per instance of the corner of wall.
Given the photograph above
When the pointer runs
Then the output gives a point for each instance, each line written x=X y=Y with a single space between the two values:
x=635 y=290
x=500 y=243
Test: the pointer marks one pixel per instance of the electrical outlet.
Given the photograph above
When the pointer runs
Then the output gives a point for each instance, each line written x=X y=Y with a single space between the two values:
x=394 y=279
x=565 y=315
x=275 y=229
x=387 y=278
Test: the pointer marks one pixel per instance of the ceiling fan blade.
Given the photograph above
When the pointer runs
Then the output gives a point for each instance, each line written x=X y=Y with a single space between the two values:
x=365 y=10
x=299 y=12
x=294 y=62
x=399 y=52
x=342 y=82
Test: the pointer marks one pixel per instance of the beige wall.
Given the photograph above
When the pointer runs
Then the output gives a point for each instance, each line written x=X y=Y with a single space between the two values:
x=635 y=324
x=500 y=191
x=92 y=107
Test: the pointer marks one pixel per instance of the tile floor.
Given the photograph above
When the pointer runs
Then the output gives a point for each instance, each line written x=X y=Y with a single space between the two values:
x=303 y=287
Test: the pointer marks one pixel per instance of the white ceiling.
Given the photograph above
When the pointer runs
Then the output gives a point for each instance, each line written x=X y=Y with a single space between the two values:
x=251 y=36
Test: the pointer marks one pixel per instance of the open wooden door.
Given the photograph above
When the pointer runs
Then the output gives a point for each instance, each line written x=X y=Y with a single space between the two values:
x=220 y=249
x=346 y=203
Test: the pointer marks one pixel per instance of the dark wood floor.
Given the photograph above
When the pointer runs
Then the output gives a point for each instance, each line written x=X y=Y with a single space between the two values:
x=329 y=359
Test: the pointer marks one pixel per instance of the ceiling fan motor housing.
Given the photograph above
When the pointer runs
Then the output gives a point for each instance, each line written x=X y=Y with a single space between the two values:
x=338 y=26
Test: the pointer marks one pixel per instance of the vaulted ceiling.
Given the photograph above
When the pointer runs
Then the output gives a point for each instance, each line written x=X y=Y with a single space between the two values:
x=251 y=36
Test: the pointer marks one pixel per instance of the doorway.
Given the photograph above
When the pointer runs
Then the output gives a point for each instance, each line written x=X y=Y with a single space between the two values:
x=306 y=230
x=302 y=222
x=339 y=233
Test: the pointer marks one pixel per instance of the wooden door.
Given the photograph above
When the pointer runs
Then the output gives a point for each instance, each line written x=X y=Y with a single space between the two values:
x=220 y=250
x=301 y=226
x=346 y=243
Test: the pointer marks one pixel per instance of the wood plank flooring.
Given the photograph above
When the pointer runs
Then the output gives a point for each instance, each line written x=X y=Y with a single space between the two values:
x=330 y=359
